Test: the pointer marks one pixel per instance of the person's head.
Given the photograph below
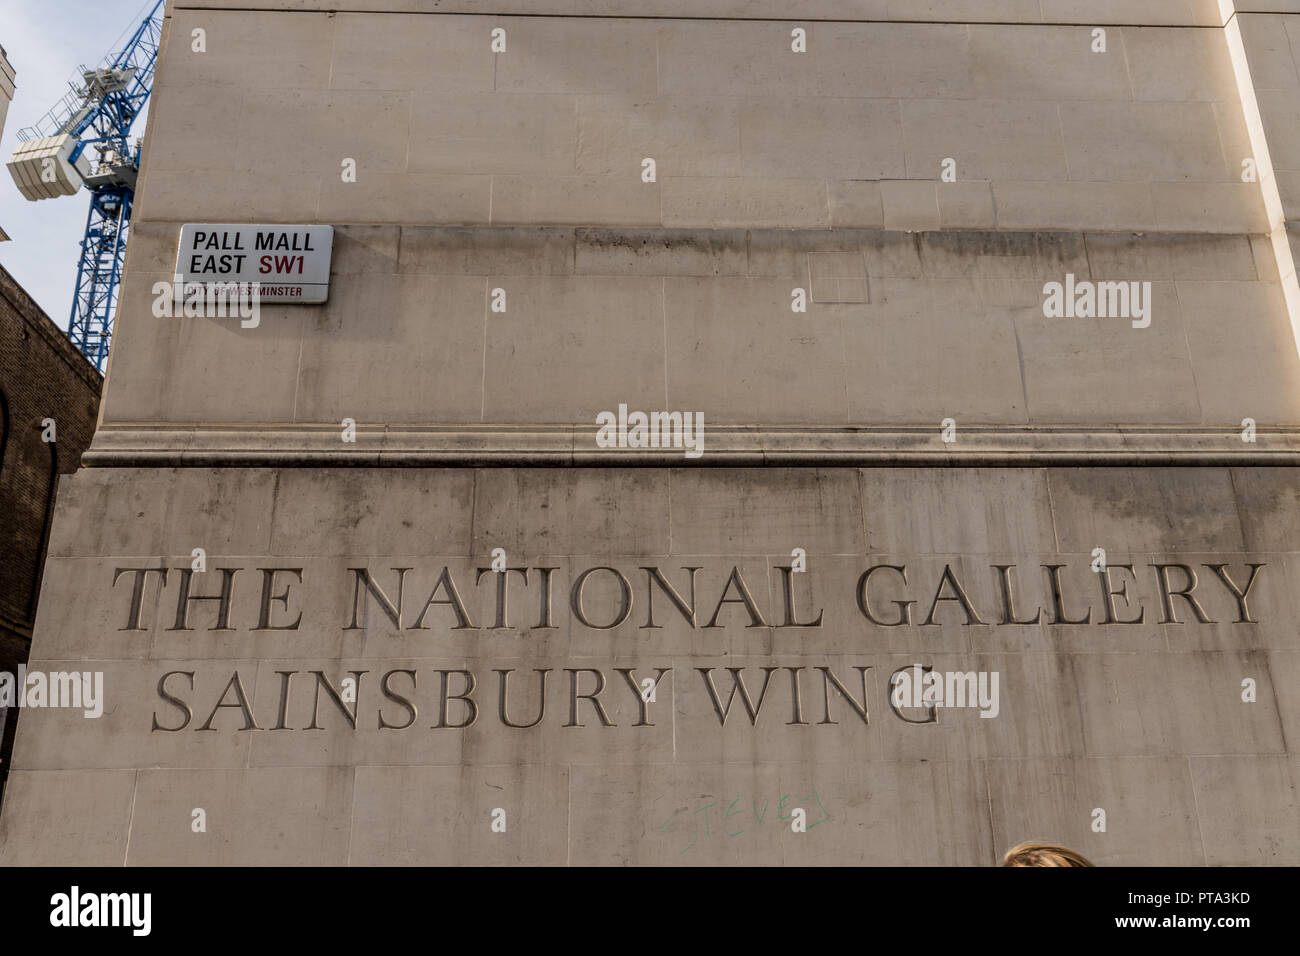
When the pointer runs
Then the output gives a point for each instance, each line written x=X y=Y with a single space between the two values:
x=1043 y=854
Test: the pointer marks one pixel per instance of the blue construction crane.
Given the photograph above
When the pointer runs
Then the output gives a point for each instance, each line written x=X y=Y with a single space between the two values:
x=52 y=160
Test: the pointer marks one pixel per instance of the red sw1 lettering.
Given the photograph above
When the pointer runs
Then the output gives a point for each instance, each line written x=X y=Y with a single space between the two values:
x=281 y=264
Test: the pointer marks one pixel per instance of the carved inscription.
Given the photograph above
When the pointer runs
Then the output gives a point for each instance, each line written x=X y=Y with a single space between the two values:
x=432 y=605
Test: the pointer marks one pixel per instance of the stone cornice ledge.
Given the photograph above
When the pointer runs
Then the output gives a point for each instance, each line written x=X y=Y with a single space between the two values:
x=190 y=445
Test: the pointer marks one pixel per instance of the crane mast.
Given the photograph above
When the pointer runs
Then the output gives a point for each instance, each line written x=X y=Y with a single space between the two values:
x=53 y=159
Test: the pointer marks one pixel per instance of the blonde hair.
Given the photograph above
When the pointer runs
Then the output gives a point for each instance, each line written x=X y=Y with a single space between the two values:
x=1043 y=854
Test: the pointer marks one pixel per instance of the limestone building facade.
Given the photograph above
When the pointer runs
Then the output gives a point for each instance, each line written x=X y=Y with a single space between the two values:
x=985 y=315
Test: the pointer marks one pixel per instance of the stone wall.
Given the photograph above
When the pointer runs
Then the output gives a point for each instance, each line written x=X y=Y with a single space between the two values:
x=1097 y=512
x=1143 y=720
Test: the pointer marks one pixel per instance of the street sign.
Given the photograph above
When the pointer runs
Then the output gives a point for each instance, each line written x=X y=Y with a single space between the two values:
x=290 y=264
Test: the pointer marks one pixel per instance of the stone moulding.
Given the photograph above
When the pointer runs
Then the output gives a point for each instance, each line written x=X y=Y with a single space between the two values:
x=206 y=446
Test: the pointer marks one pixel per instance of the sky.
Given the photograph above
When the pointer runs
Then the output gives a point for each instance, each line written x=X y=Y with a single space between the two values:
x=47 y=41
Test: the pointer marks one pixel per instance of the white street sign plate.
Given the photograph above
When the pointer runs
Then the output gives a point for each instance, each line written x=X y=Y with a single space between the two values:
x=291 y=264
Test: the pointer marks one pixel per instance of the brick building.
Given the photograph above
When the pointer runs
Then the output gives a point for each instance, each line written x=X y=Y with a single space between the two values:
x=42 y=376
